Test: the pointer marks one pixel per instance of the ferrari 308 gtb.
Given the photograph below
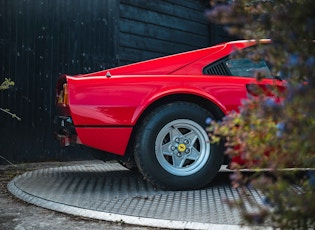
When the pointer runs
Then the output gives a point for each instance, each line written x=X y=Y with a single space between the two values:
x=153 y=115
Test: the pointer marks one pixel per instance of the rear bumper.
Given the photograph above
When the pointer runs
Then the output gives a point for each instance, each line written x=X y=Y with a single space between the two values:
x=65 y=131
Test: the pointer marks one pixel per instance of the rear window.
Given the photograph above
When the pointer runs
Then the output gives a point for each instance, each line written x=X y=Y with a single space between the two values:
x=235 y=65
x=247 y=68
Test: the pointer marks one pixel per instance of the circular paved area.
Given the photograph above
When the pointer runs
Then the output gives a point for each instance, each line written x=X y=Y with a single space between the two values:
x=107 y=191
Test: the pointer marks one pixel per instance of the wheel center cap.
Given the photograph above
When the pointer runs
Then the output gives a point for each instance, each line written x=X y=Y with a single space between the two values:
x=181 y=147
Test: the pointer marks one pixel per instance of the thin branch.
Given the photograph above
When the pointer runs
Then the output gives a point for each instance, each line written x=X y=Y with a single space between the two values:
x=7 y=160
x=12 y=114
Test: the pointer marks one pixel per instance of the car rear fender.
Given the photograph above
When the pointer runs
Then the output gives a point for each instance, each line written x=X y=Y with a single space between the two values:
x=185 y=94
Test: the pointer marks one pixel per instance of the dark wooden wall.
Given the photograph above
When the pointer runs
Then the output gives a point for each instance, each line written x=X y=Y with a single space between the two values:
x=149 y=29
x=39 y=40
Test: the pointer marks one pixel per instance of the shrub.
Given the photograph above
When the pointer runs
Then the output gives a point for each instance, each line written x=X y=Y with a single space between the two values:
x=272 y=135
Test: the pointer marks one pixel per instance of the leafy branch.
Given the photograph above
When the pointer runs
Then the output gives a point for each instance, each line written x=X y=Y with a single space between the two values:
x=4 y=86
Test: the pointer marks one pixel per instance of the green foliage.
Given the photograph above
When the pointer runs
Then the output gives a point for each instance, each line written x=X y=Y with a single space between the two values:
x=275 y=135
x=6 y=85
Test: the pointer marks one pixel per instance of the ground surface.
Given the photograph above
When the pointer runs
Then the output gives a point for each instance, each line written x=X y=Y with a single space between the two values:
x=18 y=215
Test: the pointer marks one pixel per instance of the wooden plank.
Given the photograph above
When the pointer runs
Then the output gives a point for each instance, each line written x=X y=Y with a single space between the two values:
x=151 y=44
x=169 y=8
x=129 y=55
x=161 y=27
x=192 y=4
x=162 y=33
x=156 y=18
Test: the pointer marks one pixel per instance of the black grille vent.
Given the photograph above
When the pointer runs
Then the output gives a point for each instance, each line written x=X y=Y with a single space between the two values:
x=218 y=68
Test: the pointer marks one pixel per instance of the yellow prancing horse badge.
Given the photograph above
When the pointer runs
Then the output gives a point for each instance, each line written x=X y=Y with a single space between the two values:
x=181 y=147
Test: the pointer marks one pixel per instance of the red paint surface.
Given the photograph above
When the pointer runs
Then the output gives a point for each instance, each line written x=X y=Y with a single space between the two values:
x=104 y=109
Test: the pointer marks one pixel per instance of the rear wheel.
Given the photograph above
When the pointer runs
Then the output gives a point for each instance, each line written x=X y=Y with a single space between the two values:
x=173 y=150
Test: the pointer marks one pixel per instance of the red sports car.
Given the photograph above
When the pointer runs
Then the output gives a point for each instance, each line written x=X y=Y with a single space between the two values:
x=152 y=115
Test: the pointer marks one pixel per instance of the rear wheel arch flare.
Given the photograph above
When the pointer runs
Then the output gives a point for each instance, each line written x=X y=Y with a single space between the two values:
x=200 y=101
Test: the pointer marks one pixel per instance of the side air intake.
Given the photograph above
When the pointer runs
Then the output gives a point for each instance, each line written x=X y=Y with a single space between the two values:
x=217 y=68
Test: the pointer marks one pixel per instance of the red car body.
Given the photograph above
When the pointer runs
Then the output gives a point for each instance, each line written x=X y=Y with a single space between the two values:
x=103 y=108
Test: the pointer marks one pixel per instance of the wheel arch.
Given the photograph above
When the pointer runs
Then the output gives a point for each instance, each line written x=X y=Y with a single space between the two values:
x=198 y=100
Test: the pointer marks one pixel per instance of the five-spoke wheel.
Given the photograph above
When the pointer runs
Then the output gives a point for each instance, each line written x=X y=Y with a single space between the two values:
x=173 y=150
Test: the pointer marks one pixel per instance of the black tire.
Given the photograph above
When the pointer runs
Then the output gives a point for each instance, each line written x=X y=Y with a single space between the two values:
x=172 y=147
x=129 y=165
